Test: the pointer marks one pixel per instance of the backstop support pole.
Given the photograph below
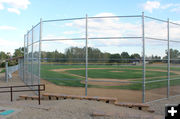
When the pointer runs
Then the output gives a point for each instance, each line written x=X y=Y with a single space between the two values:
x=168 y=82
x=6 y=74
x=86 y=84
x=32 y=78
x=39 y=59
x=24 y=58
x=144 y=61
x=27 y=65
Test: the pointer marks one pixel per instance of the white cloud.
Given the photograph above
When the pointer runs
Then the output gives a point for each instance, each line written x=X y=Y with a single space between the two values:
x=8 y=45
x=1 y=7
x=14 y=10
x=65 y=42
x=7 y=28
x=177 y=9
x=14 y=5
x=166 y=6
x=108 y=27
x=172 y=7
x=150 y=5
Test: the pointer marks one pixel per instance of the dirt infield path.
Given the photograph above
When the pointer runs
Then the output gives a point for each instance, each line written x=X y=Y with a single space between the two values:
x=121 y=94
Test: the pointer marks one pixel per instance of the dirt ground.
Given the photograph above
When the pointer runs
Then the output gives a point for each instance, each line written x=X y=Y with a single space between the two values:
x=121 y=94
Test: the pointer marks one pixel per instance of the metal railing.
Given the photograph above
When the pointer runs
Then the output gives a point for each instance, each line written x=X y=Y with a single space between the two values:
x=11 y=91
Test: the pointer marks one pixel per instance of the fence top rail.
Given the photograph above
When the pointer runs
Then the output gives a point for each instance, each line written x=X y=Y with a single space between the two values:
x=94 y=38
x=174 y=23
x=33 y=28
x=80 y=18
x=157 y=19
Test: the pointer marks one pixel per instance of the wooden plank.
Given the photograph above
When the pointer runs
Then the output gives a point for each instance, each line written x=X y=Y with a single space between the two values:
x=132 y=104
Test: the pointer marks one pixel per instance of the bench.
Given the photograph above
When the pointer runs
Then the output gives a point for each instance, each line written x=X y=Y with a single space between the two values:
x=139 y=106
x=25 y=97
x=54 y=96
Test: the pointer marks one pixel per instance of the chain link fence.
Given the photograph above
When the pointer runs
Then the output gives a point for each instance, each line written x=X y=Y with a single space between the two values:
x=133 y=58
x=9 y=71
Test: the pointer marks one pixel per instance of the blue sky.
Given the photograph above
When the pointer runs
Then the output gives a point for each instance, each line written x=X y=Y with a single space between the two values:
x=17 y=16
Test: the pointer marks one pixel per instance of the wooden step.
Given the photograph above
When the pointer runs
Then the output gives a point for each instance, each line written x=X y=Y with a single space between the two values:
x=139 y=106
x=26 y=97
x=54 y=96
x=151 y=110
x=104 y=99
x=23 y=97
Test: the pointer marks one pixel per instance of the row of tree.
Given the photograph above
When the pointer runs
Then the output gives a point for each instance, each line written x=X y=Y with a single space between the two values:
x=75 y=54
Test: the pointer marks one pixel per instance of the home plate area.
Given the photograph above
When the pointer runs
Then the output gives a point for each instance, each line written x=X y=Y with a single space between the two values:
x=6 y=112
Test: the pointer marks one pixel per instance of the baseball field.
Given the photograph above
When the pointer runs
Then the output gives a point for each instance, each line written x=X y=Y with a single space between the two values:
x=109 y=76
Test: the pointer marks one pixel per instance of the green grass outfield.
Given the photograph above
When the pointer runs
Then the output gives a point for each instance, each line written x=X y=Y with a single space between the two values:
x=128 y=73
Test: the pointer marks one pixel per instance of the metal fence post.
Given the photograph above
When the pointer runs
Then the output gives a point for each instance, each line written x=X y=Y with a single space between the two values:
x=32 y=78
x=6 y=74
x=27 y=58
x=24 y=58
x=144 y=61
x=168 y=82
x=19 y=68
x=86 y=84
x=39 y=61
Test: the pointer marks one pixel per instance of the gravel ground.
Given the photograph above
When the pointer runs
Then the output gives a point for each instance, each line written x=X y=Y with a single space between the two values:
x=159 y=106
x=73 y=109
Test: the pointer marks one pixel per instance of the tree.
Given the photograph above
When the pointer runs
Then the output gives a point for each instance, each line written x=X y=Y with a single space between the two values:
x=115 y=58
x=18 y=52
x=125 y=55
x=3 y=55
x=174 y=54
x=135 y=56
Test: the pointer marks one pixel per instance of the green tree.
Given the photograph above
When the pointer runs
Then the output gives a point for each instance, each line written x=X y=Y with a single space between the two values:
x=135 y=56
x=174 y=54
x=115 y=58
x=18 y=52
x=125 y=55
x=3 y=55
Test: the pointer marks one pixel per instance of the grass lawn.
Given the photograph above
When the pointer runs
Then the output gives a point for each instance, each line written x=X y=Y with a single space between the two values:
x=123 y=74
x=134 y=72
